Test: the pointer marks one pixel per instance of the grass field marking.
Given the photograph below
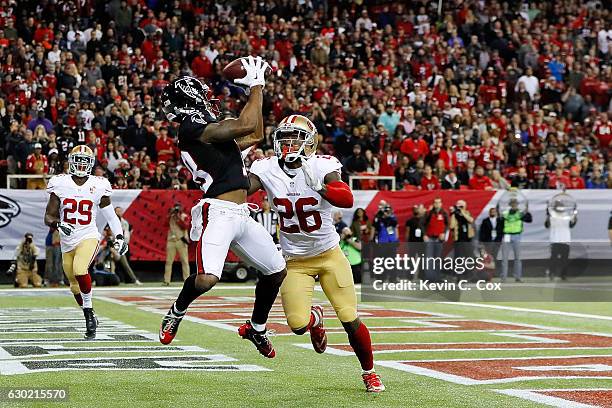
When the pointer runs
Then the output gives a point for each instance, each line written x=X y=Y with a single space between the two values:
x=536 y=396
x=531 y=338
x=100 y=337
x=331 y=351
x=407 y=366
x=533 y=326
x=426 y=372
x=530 y=310
x=160 y=362
x=60 y=350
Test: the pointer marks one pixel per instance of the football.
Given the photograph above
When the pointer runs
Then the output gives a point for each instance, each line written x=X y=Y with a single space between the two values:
x=234 y=70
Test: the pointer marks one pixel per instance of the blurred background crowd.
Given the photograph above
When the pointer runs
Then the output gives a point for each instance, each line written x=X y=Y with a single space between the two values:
x=472 y=95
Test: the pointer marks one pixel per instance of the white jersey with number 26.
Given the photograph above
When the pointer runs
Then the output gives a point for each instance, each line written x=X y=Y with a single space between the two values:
x=305 y=218
x=79 y=206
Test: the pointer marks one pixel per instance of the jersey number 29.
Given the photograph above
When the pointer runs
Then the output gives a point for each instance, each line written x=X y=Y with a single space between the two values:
x=302 y=215
x=83 y=207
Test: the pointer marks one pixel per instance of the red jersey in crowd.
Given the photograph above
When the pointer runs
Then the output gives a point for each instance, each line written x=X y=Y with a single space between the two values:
x=37 y=165
x=461 y=155
x=430 y=183
x=559 y=182
x=576 y=182
x=164 y=144
x=416 y=149
x=480 y=183
x=603 y=132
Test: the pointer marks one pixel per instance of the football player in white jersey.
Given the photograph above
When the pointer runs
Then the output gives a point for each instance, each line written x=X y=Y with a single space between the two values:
x=304 y=188
x=73 y=205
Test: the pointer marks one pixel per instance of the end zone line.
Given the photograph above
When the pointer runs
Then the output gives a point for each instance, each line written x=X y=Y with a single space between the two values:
x=529 y=310
x=535 y=396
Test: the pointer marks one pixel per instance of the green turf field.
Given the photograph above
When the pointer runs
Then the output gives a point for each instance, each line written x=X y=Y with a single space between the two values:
x=428 y=354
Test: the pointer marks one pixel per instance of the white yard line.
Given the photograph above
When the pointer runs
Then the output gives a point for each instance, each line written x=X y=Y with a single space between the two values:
x=530 y=310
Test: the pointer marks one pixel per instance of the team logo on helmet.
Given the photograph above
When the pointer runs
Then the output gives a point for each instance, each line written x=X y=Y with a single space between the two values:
x=187 y=95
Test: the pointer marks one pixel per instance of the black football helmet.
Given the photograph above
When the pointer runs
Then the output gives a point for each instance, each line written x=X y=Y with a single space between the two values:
x=187 y=95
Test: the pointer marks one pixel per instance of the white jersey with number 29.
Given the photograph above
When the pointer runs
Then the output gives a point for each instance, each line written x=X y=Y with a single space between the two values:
x=305 y=218
x=79 y=206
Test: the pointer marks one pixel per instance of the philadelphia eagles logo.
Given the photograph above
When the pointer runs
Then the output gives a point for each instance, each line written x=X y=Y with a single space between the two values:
x=8 y=210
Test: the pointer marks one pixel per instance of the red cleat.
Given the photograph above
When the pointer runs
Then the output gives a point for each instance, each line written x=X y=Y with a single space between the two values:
x=372 y=382
x=318 y=337
x=259 y=339
x=169 y=327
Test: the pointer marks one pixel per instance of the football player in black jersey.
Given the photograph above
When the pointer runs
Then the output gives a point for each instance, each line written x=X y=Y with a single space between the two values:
x=211 y=150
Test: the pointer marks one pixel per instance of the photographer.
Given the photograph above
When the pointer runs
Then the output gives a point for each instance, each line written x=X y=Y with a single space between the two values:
x=25 y=263
x=351 y=247
x=385 y=224
x=462 y=227
x=177 y=242
x=104 y=264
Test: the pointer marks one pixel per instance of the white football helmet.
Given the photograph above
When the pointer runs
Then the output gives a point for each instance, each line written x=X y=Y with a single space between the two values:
x=295 y=137
x=81 y=161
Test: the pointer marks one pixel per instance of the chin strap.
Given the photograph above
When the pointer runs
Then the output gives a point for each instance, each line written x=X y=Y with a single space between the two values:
x=339 y=194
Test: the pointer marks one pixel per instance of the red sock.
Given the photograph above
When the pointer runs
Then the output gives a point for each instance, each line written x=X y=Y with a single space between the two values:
x=78 y=299
x=362 y=345
x=84 y=283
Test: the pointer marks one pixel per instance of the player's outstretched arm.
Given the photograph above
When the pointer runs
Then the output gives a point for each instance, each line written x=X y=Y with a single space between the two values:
x=254 y=184
x=115 y=225
x=244 y=125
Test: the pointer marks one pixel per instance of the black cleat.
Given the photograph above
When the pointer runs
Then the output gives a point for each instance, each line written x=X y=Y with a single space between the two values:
x=91 y=323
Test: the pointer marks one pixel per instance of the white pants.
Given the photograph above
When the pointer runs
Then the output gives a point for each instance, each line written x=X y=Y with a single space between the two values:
x=218 y=225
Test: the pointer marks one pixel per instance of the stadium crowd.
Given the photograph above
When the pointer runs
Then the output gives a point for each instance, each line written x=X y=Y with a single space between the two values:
x=481 y=95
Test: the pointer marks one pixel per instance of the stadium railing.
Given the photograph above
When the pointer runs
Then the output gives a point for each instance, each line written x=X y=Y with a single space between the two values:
x=370 y=178
x=24 y=176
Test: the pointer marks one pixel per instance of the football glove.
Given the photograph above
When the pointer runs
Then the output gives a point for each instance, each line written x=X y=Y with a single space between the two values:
x=255 y=68
x=313 y=182
x=65 y=228
x=120 y=245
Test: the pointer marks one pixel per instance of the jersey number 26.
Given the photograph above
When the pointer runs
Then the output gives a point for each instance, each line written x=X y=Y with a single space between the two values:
x=302 y=215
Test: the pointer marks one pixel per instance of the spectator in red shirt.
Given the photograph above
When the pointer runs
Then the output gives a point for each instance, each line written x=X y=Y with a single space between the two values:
x=575 y=181
x=480 y=181
x=559 y=181
x=165 y=146
x=414 y=147
x=462 y=153
x=201 y=66
x=37 y=163
x=429 y=182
